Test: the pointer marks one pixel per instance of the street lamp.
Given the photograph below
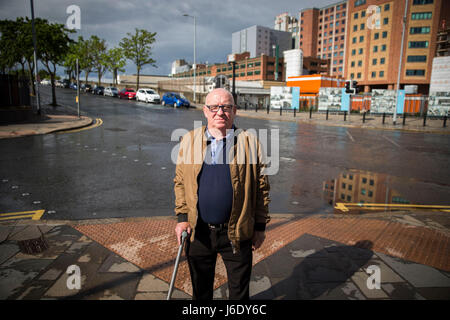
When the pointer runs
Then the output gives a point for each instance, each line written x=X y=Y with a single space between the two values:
x=394 y=118
x=195 y=66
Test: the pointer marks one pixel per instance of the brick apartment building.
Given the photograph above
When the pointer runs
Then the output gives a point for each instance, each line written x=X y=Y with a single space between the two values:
x=374 y=52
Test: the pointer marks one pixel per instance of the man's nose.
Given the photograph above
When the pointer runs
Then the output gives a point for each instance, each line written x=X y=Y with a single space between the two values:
x=221 y=111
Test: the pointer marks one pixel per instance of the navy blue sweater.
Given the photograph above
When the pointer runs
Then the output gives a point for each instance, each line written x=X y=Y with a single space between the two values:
x=215 y=192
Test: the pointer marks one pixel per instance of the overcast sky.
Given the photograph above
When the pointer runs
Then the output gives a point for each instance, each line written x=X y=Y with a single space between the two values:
x=216 y=21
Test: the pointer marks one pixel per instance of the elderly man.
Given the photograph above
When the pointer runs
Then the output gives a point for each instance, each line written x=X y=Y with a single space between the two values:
x=221 y=200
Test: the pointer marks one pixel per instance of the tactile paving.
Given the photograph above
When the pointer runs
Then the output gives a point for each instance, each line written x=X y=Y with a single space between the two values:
x=151 y=244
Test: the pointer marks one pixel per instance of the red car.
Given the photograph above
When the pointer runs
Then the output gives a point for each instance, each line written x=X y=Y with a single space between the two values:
x=127 y=93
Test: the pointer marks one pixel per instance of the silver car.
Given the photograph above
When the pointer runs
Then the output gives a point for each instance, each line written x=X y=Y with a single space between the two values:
x=111 y=91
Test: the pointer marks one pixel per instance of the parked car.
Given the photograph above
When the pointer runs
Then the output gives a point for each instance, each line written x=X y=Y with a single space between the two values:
x=111 y=91
x=73 y=86
x=147 y=95
x=59 y=84
x=127 y=93
x=66 y=83
x=174 y=99
x=46 y=82
x=98 y=90
x=86 y=87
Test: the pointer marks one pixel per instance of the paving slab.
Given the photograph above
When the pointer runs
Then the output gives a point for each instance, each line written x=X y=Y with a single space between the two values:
x=420 y=276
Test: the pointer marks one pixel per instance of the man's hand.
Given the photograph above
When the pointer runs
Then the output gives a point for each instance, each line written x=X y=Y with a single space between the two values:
x=258 y=239
x=182 y=226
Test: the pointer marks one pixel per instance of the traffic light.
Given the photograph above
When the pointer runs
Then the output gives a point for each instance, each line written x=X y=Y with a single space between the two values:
x=347 y=87
x=355 y=86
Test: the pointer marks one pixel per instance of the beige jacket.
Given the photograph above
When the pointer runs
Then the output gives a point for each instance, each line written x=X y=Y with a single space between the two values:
x=250 y=209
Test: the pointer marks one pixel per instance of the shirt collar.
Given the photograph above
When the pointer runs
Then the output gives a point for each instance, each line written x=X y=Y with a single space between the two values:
x=228 y=136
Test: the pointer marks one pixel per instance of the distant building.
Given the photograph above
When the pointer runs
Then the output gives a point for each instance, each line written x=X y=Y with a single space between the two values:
x=180 y=66
x=247 y=68
x=260 y=40
x=285 y=22
x=374 y=51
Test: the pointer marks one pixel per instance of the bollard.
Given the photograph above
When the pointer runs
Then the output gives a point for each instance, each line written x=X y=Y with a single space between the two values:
x=445 y=121
x=404 y=119
x=424 y=119
x=310 y=113
x=364 y=117
x=345 y=115
x=268 y=109
x=295 y=110
x=327 y=114
x=256 y=108
x=384 y=116
x=281 y=110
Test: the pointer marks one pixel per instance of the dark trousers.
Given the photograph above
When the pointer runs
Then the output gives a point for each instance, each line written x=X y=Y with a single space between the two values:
x=201 y=256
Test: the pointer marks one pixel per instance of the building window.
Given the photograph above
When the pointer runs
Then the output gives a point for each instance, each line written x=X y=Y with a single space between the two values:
x=421 y=16
x=353 y=64
x=386 y=7
x=359 y=75
x=250 y=73
x=416 y=72
x=257 y=72
x=374 y=74
x=419 y=30
x=363 y=191
x=375 y=48
x=381 y=74
x=355 y=16
x=419 y=2
x=353 y=52
x=361 y=38
x=371 y=182
x=360 y=51
x=382 y=60
x=417 y=59
x=418 y=44
x=384 y=35
x=360 y=63
x=374 y=62
x=385 y=20
x=355 y=28
x=362 y=26
x=352 y=76
x=376 y=36
x=359 y=3
x=370 y=194
x=383 y=47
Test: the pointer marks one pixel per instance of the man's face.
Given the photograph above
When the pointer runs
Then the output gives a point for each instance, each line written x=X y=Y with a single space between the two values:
x=219 y=120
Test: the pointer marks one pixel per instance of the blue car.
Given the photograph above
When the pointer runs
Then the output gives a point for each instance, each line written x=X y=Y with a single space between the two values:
x=175 y=100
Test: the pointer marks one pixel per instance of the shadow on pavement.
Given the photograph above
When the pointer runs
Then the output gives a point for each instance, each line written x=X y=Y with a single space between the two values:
x=321 y=272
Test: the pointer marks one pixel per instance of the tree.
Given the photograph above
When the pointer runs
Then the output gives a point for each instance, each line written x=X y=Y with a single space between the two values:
x=137 y=49
x=115 y=62
x=99 y=56
x=54 y=48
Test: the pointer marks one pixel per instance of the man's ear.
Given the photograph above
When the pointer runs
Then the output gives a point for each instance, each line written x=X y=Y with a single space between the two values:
x=205 y=111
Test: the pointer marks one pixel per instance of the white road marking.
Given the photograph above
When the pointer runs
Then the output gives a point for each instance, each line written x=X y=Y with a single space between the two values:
x=393 y=142
x=350 y=136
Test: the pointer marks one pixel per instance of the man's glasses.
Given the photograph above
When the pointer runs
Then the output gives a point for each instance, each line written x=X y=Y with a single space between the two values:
x=225 y=108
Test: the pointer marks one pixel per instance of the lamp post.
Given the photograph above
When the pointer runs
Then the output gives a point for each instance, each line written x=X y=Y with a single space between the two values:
x=38 y=98
x=195 y=66
x=394 y=118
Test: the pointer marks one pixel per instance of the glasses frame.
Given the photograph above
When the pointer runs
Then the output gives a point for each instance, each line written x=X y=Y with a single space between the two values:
x=221 y=107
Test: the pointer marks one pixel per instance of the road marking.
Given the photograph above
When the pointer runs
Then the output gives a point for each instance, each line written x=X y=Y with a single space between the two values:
x=391 y=141
x=34 y=215
x=350 y=136
x=345 y=207
x=98 y=123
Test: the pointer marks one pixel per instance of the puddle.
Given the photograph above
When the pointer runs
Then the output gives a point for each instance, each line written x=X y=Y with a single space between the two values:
x=358 y=192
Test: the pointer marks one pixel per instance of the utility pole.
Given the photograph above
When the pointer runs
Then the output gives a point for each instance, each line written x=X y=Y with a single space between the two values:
x=195 y=66
x=78 y=88
x=394 y=118
x=38 y=99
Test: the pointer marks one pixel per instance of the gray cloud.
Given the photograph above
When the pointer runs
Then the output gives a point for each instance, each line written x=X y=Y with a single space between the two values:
x=216 y=21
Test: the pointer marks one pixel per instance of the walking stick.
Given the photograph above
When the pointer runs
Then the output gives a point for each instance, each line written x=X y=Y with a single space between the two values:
x=177 y=261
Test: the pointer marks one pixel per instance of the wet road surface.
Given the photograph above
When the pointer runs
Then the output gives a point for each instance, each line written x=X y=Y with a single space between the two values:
x=123 y=168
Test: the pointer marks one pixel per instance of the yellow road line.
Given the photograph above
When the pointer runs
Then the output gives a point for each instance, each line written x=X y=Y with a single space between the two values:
x=34 y=215
x=373 y=206
x=98 y=123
